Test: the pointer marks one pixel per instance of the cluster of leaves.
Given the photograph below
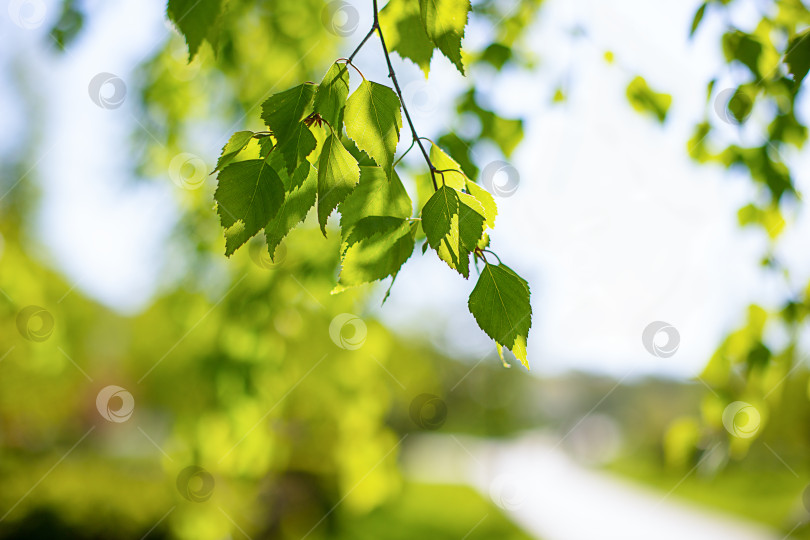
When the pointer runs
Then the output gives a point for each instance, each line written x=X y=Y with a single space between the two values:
x=306 y=161
x=328 y=150
x=768 y=64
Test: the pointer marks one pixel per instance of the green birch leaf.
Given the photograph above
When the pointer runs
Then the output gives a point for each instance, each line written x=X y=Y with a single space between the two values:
x=404 y=34
x=283 y=112
x=460 y=149
x=486 y=200
x=500 y=303
x=248 y=195
x=297 y=147
x=444 y=22
x=338 y=173
x=330 y=98
x=453 y=228
x=375 y=195
x=362 y=158
x=235 y=144
x=377 y=247
x=373 y=121
x=301 y=189
x=196 y=19
x=266 y=146
x=437 y=215
x=453 y=176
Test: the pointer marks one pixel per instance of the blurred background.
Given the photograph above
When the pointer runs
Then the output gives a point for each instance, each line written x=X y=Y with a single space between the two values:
x=648 y=163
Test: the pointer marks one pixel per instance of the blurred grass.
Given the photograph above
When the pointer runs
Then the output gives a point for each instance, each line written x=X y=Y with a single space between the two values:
x=435 y=512
x=768 y=495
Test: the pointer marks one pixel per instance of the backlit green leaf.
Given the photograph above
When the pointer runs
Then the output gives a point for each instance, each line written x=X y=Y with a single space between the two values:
x=196 y=19
x=297 y=147
x=338 y=173
x=301 y=189
x=377 y=247
x=373 y=121
x=453 y=227
x=500 y=303
x=452 y=176
x=444 y=22
x=404 y=33
x=235 y=144
x=283 y=112
x=483 y=203
x=330 y=98
x=486 y=200
x=248 y=195
x=375 y=195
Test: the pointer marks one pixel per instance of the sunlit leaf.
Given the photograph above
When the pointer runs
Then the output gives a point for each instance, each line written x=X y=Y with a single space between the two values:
x=248 y=195
x=501 y=306
x=235 y=144
x=330 y=98
x=338 y=173
x=444 y=22
x=373 y=122
x=377 y=247
x=196 y=19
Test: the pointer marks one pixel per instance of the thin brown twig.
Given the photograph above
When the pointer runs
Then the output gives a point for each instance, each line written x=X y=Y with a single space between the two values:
x=393 y=76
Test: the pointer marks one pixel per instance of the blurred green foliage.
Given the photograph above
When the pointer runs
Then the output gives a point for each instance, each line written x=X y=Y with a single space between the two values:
x=233 y=368
x=244 y=378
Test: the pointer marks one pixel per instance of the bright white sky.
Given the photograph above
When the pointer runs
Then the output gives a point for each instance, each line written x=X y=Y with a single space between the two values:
x=613 y=225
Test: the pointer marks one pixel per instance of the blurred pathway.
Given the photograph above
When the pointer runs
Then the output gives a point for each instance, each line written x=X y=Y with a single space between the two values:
x=554 y=498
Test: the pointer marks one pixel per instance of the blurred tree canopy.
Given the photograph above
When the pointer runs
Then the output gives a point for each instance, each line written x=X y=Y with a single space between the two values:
x=754 y=123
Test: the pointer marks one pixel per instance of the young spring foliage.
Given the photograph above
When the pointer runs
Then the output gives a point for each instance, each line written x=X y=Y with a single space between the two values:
x=330 y=149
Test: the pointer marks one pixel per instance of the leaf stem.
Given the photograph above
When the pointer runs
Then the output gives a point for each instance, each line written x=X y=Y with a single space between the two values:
x=496 y=255
x=405 y=153
x=370 y=32
x=393 y=76
x=350 y=63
